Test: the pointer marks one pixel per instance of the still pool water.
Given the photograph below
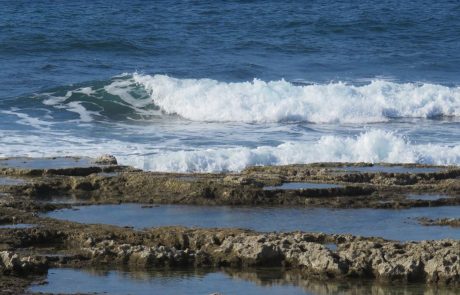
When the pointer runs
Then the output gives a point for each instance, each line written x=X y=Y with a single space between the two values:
x=426 y=197
x=203 y=282
x=390 y=224
x=17 y=226
x=301 y=185
x=390 y=169
x=11 y=181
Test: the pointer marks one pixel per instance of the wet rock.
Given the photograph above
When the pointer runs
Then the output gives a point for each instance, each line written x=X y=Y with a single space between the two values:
x=358 y=189
x=436 y=262
x=443 y=265
x=12 y=263
x=106 y=160
x=253 y=250
x=139 y=255
x=432 y=261
x=454 y=222
x=316 y=258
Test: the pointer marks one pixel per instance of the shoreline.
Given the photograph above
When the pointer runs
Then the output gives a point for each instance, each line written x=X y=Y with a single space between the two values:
x=71 y=244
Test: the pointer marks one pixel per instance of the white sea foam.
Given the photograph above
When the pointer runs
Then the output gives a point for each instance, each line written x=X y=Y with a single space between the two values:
x=84 y=114
x=276 y=101
x=374 y=146
x=59 y=102
x=123 y=89
x=28 y=120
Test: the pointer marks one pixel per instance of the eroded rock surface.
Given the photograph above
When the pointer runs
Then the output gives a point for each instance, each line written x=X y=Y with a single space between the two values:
x=23 y=256
x=113 y=183
x=454 y=222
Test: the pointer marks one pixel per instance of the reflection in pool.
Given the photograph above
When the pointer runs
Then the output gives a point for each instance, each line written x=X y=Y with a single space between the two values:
x=199 y=281
x=390 y=224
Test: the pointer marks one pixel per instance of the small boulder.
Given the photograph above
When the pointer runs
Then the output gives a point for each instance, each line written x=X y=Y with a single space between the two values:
x=106 y=160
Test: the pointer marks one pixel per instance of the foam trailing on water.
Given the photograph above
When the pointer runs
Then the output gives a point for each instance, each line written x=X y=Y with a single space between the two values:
x=118 y=99
x=27 y=120
x=373 y=146
x=61 y=145
x=277 y=101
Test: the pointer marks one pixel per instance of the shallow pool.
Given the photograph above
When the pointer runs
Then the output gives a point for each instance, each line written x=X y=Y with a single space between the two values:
x=11 y=181
x=390 y=169
x=390 y=224
x=301 y=185
x=426 y=197
x=18 y=225
x=265 y=282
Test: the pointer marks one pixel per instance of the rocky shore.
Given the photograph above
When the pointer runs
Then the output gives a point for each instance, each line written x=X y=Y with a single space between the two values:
x=454 y=222
x=112 y=183
x=41 y=185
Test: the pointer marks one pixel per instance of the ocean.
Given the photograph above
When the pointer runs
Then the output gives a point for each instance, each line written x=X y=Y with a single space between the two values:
x=211 y=86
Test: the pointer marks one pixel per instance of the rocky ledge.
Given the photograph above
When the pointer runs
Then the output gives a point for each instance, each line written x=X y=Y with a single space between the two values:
x=103 y=181
x=314 y=254
x=454 y=222
x=27 y=253
x=427 y=261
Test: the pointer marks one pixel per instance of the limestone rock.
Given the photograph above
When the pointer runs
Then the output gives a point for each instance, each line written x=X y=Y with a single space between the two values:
x=106 y=160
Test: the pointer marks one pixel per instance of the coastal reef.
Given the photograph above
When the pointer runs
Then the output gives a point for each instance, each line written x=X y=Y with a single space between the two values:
x=31 y=243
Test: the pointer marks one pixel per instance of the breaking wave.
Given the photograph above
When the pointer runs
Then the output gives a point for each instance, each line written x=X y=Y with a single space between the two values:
x=375 y=146
x=136 y=97
x=278 y=101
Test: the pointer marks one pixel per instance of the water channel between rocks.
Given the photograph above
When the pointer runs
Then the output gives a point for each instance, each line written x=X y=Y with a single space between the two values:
x=390 y=224
x=301 y=185
x=11 y=181
x=426 y=197
x=17 y=225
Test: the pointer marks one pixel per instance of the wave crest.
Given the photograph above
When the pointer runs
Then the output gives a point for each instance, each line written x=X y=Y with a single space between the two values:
x=276 y=101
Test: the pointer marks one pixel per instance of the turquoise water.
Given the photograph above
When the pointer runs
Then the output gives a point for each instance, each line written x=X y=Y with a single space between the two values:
x=220 y=85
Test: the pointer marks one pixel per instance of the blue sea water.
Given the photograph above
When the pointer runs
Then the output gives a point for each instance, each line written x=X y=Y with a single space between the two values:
x=220 y=85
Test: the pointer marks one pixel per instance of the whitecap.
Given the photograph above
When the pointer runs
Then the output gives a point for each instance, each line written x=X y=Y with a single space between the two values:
x=277 y=101
x=375 y=146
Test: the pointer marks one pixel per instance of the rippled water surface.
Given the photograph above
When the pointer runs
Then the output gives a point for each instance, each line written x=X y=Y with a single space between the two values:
x=220 y=85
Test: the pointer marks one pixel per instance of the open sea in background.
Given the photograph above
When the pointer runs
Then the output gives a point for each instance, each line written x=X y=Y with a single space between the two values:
x=220 y=85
